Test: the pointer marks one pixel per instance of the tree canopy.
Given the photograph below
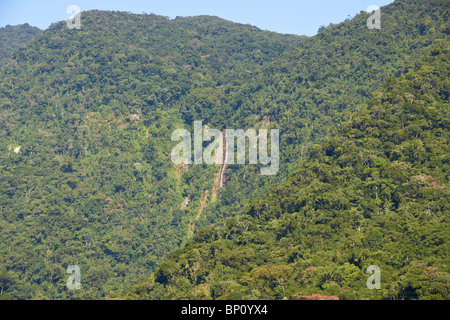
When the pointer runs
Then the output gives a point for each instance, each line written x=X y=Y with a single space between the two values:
x=86 y=179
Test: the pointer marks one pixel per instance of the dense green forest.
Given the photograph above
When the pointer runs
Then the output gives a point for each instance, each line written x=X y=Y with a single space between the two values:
x=92 y=111
x=86 y=178
x=375 y=193
x=14 y=37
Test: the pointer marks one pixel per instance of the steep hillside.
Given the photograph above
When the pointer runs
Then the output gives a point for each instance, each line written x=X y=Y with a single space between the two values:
x=86 y=118
x=85 y=123
x=311 y=88
x=375 y=193
x=14 y=37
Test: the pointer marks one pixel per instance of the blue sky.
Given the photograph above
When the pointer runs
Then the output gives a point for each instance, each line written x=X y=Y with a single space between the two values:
x=284 y=16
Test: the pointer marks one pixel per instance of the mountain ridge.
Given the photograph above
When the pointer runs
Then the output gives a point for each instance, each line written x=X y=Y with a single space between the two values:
x=14 y=37
x=359 y=200
x=91 y=112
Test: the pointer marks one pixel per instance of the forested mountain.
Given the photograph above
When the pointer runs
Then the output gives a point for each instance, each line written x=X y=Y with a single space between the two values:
x=86 y=118
x=90 y=113
x=375 y=193
x=14 y=37
x=316 y=85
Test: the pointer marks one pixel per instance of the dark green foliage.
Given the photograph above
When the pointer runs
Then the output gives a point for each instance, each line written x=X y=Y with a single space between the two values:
x=342 y=210
x=14 y=37
x=92 y=111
